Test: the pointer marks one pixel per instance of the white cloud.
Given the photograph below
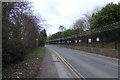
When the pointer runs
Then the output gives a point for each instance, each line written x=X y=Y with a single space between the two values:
x=68 y=7
x=65 y=12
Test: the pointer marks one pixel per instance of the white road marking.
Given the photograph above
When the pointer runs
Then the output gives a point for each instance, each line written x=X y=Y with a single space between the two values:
x=74 y=71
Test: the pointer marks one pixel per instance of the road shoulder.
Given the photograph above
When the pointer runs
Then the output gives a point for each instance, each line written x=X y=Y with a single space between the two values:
x=47 y=69
x=53 y=67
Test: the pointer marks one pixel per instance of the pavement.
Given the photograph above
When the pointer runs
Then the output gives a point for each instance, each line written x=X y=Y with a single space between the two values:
x=87 y=64
x=53 y=67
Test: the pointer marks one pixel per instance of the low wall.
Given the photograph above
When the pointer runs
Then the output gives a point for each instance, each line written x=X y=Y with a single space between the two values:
x=102 y=51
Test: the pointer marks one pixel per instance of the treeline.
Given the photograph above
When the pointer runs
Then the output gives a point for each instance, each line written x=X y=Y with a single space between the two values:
x=21 y=32
x=104 y=16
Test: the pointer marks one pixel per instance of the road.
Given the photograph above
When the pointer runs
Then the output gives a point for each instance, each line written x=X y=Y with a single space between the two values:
x=87 y=64
x=53 y=67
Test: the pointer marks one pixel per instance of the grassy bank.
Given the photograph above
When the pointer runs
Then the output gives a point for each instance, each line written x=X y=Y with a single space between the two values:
x=27 y=68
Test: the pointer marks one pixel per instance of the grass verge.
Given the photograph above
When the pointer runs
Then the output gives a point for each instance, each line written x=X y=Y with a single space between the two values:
x=28 y=68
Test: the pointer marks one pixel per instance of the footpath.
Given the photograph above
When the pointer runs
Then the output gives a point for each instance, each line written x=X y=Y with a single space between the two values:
x=53 y=67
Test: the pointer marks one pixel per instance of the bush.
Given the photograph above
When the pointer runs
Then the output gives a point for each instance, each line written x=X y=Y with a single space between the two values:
x=13 y=52
x=42 y=42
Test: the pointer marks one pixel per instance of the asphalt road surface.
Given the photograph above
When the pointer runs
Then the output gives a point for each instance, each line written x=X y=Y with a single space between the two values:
x=87 y=64
x=53 y=67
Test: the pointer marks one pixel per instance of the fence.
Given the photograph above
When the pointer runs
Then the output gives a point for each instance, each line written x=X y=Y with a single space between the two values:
x=104 y=37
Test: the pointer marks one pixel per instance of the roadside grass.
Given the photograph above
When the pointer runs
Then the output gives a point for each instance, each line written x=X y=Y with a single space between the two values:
x=28 y=68
x=37 y=53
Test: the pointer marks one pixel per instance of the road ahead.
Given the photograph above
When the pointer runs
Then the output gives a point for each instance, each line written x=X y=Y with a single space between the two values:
x=87 y=64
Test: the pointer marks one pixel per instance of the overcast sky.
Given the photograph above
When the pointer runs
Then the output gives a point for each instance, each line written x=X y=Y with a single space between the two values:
x=65 y=12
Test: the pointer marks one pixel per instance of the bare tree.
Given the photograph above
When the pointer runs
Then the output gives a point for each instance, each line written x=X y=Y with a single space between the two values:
x=62 y=28
x=19 y=25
